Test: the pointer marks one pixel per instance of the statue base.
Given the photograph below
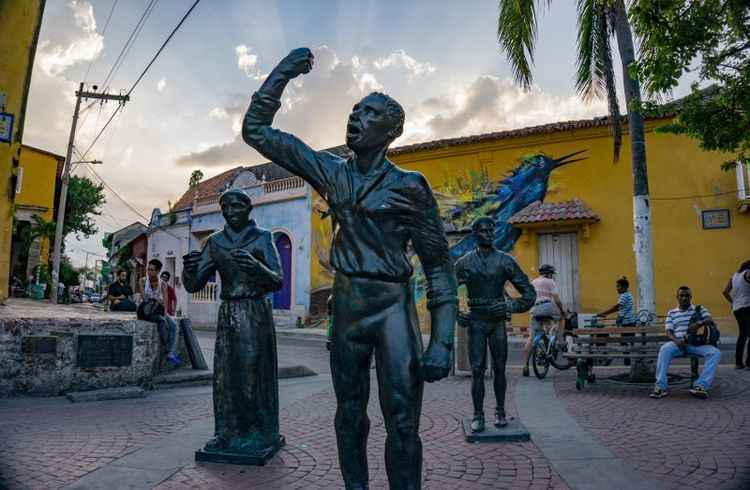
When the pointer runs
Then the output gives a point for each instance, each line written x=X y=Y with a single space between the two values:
x=515 y=431
x=253 y=459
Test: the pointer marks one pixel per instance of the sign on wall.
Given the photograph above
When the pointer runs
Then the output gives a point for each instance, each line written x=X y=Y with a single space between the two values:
x=6 y=127
x=713 y=219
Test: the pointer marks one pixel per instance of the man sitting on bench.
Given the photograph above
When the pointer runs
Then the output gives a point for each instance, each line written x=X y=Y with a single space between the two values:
x=120 y=294
x=681 y=321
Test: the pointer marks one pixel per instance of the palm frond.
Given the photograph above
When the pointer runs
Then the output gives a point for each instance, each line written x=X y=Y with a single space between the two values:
x=516 y=33
x=595 y=77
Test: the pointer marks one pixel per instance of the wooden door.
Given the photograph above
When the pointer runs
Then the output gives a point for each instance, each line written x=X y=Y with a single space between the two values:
x=561 y=251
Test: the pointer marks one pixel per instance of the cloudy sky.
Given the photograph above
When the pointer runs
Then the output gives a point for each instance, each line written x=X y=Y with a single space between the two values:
x=439 y=59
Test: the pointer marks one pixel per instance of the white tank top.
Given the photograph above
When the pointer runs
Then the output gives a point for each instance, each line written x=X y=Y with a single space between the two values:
x=740 y=291
x=150 y=293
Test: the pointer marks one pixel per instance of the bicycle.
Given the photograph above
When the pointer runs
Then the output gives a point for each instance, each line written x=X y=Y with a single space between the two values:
x=545 y=351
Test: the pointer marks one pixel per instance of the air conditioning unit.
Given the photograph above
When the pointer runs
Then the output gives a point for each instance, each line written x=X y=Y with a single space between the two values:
x=743 y=187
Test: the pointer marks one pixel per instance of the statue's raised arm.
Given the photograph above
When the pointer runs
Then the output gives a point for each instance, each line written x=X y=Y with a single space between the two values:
x=283 y=148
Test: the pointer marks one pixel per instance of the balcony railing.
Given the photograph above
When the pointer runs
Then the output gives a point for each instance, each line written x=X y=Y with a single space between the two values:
x=208 y=294
x=283 y=185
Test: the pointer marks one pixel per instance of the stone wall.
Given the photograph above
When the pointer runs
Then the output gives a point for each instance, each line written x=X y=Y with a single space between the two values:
x=41 y=356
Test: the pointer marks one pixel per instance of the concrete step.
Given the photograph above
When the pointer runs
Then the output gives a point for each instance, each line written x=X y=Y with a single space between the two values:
x=183 y=377
x=106 y=394
x=192 y=377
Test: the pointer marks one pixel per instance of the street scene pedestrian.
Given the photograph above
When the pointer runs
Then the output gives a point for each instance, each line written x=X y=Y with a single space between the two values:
x=154 y=294
x=120 y=294
x=737 y=292
x=547 y=310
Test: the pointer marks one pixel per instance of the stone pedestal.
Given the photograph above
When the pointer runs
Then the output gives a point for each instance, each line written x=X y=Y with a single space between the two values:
x=515 y=431
x=256 y=459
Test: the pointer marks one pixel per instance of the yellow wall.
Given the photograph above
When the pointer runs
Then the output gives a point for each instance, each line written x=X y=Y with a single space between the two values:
x=684 y=253
x=19 y=23
x=39 y=170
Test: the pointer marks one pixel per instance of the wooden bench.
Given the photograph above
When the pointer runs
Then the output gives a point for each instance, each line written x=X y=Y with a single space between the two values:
x=601 y=345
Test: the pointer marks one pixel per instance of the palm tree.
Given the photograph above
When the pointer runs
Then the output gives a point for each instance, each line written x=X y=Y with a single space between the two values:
x=598 y=22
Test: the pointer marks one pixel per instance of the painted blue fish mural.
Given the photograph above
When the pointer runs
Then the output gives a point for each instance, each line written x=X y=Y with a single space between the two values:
x=526 y=184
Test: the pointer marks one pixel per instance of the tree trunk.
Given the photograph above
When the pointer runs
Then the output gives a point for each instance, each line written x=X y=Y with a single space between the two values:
x=643 y=247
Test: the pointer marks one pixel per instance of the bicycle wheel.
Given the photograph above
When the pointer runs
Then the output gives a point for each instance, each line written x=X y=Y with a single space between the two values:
x=557 y=359
x=539 y=356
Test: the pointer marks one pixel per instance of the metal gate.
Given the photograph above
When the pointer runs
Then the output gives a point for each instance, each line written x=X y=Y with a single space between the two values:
x=561 y=250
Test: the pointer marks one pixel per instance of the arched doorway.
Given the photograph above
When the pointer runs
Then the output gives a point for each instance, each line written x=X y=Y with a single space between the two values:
x=282 y=298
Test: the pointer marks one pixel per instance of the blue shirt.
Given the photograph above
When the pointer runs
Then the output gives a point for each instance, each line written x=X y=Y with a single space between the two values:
x=625 y=313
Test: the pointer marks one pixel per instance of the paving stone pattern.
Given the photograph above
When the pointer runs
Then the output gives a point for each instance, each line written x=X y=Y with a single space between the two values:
x=53 y=443
x=309 y=459
x=682 y=441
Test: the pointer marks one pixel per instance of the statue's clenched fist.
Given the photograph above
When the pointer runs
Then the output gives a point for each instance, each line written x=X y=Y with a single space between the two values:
x=191 y=261
x=297 y=62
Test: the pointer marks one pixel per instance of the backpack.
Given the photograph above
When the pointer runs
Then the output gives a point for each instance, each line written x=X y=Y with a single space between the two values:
x=706 y=334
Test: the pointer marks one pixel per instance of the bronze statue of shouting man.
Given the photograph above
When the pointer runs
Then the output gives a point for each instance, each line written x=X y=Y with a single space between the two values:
x=484 y=271
x=379 y=209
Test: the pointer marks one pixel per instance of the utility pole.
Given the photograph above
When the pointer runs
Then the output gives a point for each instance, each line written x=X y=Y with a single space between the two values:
x=80 y=94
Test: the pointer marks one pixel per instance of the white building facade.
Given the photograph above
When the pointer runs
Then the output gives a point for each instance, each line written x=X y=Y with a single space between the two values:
x=281 y=204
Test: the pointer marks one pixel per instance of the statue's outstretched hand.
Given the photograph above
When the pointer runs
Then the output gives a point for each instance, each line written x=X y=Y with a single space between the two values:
x=297 y=62
x=436 y=363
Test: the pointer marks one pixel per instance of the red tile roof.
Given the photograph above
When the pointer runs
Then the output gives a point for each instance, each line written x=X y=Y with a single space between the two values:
x=501 y=135
x=267 y=172
x=539 y=212
x=206 y=188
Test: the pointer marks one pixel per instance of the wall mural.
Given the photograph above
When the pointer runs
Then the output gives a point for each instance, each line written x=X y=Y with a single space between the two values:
x=462 y=199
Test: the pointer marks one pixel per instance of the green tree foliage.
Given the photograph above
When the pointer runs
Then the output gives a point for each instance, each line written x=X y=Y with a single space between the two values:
x=195 y=179
x=710 y=38
x=107 y=242
x=84 y=202
x=595 y=74
x=85 y=199
x=68 y=273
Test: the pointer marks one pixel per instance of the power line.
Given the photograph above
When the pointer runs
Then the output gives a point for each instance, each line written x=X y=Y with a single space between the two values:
x=131 y=39
x=117 y=195
x=101 y=131
x=143 y=73
x=184 y=17
x=106 y=24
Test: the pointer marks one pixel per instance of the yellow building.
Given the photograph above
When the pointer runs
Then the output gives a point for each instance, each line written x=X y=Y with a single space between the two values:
x=38 y=174
x=20 y=21
x=701 y=228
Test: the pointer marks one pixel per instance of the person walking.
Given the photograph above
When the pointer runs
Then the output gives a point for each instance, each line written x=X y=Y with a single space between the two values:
x=547 y=305
x=737 y=293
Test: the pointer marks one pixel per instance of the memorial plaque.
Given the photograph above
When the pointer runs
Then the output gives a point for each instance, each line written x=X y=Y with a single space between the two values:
x=104 y=351
x=38 y=345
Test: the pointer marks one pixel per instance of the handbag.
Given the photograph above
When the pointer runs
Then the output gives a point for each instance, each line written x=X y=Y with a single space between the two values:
x=706 y=334
x=150 y=310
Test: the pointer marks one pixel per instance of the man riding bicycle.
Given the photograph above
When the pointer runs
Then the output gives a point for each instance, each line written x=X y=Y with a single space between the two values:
x=547 y=311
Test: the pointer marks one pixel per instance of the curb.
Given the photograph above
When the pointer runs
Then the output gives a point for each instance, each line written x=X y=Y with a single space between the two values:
x=180 y=379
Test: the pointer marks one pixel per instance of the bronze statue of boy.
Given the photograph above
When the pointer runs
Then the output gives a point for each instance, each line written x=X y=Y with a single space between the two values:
x=484 y=271
x=379 y=209
x=246 y=391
